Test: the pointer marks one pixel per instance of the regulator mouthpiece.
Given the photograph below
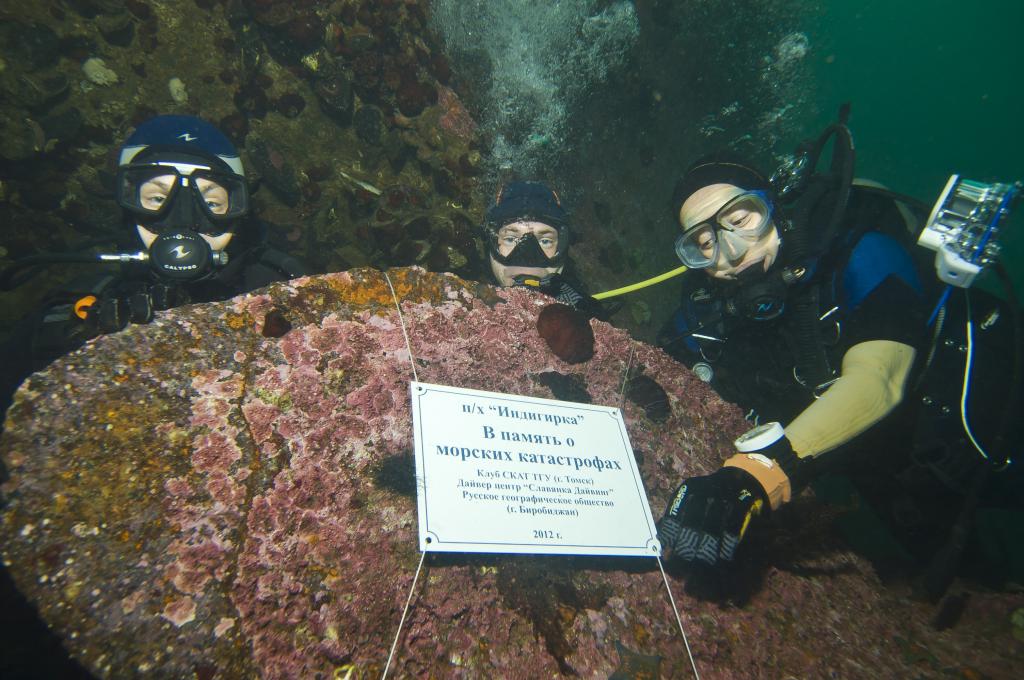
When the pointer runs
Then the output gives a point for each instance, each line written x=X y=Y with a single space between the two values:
x=183 y=255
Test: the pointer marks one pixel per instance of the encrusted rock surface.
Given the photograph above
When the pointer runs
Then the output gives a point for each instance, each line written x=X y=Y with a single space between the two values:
x=195 y=498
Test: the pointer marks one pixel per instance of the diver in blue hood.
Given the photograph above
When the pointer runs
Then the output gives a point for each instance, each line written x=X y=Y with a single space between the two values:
x=184 y=196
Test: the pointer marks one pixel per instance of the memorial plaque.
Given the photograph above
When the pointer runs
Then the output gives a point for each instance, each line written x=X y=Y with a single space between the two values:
x=502 y=473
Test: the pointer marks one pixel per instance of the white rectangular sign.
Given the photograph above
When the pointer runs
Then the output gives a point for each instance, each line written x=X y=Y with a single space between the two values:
x=502 y=473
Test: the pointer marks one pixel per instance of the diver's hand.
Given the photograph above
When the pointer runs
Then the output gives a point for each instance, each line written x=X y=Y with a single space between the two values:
x=560 y=289
x=708 y=516
x=112 y=312
x=557 y=287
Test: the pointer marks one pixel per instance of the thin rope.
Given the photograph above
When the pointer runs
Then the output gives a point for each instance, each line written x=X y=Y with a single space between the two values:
x=401 y=320
x=679 y=620
x=423 y=555
x=408 y=601
x=664 y=576
x=625 y=377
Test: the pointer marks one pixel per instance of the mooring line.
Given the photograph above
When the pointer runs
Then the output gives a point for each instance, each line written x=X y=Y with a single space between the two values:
x=408 y=601
x=401 y=320
x=423 y=555
x=679 y=620
x=625 y=377
x=664 y=576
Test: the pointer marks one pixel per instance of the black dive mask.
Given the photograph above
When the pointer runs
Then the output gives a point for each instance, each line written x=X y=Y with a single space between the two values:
x=173 y=196
x=527 y=252
x=182 y=255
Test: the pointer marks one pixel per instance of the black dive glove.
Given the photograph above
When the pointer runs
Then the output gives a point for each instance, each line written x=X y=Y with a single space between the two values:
x=557 y=287
x=132 y=304
x=707 y=516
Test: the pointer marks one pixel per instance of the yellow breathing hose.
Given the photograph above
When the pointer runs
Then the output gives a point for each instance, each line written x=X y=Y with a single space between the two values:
x=642 y=284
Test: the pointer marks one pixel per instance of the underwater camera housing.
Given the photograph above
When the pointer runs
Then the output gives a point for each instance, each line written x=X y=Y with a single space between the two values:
x=964 y=226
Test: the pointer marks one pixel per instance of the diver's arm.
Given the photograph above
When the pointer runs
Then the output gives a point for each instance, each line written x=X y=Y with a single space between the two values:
x=871 y=384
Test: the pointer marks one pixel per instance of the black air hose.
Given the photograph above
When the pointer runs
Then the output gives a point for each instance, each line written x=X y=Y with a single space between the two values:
x=9 y=279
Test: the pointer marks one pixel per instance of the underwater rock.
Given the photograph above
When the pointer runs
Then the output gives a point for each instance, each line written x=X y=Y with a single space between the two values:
x=369 y=124
x=275 y=324
x=31 y=46
x=117 y=29
x=24 y=138
x=278 y=173
x=62 y=126
x=305 y=32
x=251 y=99
x=194 y=499
x=290 y=105
x=567 y=333
x=455 y=117
x=413 y=95
x=646 y=393
x=91 y=8
x=39 y=92
x=235 y=126
x=337 y=98
x=565 y=387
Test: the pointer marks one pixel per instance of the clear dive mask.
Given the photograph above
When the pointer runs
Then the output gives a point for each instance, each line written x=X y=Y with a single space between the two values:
x=739 y=224
x=175 y=195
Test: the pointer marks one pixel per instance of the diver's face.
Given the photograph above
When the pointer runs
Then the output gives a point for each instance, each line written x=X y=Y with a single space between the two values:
x=736 y=253
x=155 y=192
x=509 y=236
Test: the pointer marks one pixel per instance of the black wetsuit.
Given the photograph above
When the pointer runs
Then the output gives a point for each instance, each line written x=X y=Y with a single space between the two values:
x=54 y=330
x=873 y=293
x=916 y=466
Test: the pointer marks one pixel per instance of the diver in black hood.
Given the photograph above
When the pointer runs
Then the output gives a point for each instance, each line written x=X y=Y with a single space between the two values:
x=819 y=331
x=527 y=236
x=812 y=315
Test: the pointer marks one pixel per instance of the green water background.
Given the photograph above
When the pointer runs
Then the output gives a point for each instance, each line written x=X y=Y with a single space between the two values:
x=937 y=88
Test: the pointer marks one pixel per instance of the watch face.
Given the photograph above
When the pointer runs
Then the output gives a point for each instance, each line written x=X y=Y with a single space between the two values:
x=756 y=432
x=759 y=438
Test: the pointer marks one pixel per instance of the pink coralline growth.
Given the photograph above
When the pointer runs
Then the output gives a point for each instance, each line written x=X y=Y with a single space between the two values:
x=180 y=612
x=245 y=505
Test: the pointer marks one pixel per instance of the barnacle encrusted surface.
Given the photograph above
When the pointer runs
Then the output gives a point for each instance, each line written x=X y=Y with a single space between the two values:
x=198 y=494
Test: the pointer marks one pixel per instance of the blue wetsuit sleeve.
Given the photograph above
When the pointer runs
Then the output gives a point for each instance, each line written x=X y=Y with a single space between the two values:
x=881 y=293
x=875 y=258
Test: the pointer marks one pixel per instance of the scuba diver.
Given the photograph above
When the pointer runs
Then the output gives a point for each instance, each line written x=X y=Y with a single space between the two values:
x=183 y=193
x=812 y=312
x=527 y=236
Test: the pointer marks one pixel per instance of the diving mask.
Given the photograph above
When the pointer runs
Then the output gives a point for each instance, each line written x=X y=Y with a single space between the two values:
x=740 y=223
x=529 y=244
x=169 y=196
